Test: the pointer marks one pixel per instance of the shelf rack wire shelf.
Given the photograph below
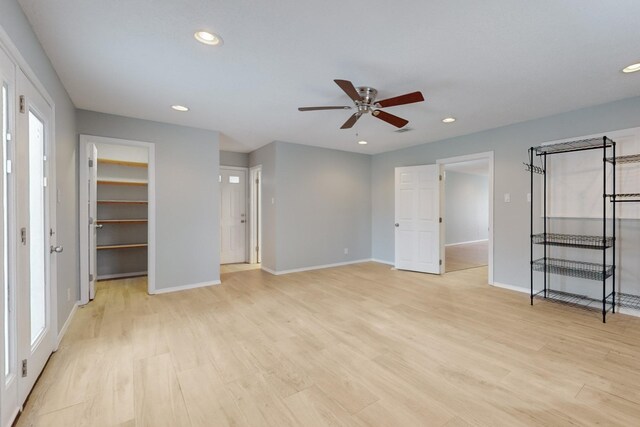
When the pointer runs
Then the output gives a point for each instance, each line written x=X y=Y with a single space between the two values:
x=575 y=300
x=599 y=271
x=573 y=240
x=622 y=160
x=628 y=300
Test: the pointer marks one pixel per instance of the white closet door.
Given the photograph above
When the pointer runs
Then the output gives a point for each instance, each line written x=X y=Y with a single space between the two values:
x=92 y=190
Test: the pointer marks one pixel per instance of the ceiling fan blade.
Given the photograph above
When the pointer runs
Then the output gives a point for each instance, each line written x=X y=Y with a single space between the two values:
x=324 y=108
x=390 y=118
x=408 y=98
x=349 y=89
x=351 y=121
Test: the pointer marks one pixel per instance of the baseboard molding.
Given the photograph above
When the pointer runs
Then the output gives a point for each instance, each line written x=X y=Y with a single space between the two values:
x=466 y=243
x=66 y=324
x=381 y=261
x=628 y=311
x=122 y=275
x=511 y=287
x=186 y=287
x=314 y=267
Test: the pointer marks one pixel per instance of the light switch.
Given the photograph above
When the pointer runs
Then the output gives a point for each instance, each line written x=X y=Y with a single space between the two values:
x=507 y=197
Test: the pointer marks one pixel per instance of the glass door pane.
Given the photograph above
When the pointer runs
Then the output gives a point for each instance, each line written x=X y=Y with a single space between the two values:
x=37 y=236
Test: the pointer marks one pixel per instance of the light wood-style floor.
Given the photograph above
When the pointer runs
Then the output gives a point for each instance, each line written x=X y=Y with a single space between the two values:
x=467 y=255
x=359 y=345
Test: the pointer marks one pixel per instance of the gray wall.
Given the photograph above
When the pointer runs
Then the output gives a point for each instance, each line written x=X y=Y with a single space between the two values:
x=230 y=158
x=511 y=220
x=315 y=203
x=466 y=207
x=187 y=232
x=14 y=22
x=266 y=156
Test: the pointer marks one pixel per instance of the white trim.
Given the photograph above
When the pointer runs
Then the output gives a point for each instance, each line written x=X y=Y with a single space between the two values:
x=17 y=410
x=268 y=270
x=628 y=311
x=255 y=215
x=66 y=325
x=120 y=275
x=381 y=261
x=151 y=209
x=466 y=243
x=314 y=267
x=186 y=287
x=235 y=168
x=489 y=155
x=511 y=287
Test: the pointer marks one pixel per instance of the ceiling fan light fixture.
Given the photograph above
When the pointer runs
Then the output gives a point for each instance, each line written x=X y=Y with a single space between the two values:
x=448 y=120
x=208 y=38
x=180 y=108
x=631 y=68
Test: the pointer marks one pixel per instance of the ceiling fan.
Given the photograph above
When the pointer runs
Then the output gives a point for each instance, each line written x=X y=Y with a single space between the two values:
x=364 y=98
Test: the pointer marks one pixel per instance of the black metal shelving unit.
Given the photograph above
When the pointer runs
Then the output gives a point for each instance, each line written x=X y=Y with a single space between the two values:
x=605 y=242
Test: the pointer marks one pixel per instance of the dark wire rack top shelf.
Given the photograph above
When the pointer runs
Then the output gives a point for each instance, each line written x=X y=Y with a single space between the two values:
x=573 y=240
x=579 y=145
x=581 y=269
x=632 y=158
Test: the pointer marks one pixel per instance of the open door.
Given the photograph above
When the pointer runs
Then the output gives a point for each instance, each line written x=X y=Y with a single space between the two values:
x=419 y=232
x=92 y=188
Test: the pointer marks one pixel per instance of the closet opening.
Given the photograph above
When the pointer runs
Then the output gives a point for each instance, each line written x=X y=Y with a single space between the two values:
x=117 y=213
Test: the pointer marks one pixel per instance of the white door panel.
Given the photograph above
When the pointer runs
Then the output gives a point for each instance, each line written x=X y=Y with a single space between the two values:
x=233 y=219
x=418 y=241
x=92 y=188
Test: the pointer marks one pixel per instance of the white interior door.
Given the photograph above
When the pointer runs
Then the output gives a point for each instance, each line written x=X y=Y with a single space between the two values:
x=233 y=218
x=9 y=391
x=36 y=337
x=92 y=205
x=419 y=242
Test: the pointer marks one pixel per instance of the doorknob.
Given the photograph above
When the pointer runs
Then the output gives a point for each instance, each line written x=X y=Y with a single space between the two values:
x=99 y=226
x=397 y=225
x=242 y=221
x=56 y=249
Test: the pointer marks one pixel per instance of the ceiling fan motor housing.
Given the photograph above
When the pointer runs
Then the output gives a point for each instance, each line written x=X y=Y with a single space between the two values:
x=368 y=95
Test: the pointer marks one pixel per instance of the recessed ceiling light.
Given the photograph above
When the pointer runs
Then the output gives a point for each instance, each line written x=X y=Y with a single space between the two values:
x=362 y=142
x=180 y=108
x=208 y=38
x=631 y=68
x=448 y=120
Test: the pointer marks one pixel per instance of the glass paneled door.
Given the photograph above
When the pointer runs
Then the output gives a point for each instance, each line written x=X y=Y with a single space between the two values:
x=34 y=301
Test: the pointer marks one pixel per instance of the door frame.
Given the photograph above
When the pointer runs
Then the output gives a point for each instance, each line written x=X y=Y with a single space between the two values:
x=246 y=205
x=255 y=214
x=487 y=155
x=83 y=220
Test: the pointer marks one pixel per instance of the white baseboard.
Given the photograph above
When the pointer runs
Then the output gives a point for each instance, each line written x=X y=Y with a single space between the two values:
x=466 y=243
x=120 y=275
x=67 y=323
x=381 y=261
x=314 y=267
x=511 y=287
x=628 y=311
x=186 y=287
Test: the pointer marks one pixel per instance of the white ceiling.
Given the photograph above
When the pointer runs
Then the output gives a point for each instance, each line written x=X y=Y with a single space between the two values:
x=472 y=167
x=489 y=63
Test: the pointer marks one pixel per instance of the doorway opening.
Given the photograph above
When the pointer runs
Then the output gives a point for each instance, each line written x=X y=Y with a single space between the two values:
x=117 y=215
x=468 y=212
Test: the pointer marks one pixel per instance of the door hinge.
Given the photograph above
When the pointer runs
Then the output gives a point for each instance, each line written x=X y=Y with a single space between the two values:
x=9 y=166
x=90 y=163
x=24 y=368
x=440 y=177
x=23 y=235
x=91 y=277
x=22 y=104
x=440 y=220
x=440 y=262
x=257 y=181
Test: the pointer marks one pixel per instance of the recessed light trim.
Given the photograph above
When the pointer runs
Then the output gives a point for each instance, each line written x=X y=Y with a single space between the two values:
x=448 y=120
x=362 y=142
x=180 y=108
x=208 y=38
x=631 y=68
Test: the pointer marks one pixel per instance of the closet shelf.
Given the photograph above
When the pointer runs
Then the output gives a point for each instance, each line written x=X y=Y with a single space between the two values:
x=573 y=240
x=579 y=145
x=123 y=202
x=123 y=163
x=123 y=221
x=126 y=246
x=121 y=182
x=581 y=269
x=633 y=158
